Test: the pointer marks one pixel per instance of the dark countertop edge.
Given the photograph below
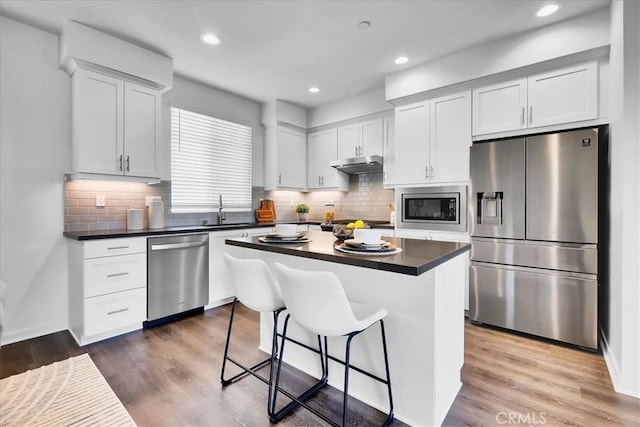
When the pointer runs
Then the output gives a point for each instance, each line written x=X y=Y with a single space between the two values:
x=114 y=234
x=358 y=262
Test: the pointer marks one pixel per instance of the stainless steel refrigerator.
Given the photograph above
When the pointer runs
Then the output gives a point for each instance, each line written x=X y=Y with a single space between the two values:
x=533 y=215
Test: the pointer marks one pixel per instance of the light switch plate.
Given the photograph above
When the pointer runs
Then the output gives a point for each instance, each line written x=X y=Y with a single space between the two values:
x=149 y=199
x=100 y=200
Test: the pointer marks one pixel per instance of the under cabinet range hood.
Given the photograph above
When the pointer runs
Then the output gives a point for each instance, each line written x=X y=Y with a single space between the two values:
x=357 y=165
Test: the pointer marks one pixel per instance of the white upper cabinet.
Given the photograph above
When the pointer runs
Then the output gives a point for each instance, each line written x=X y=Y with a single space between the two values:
x=285 y=158
x=412 y=144
x=564 y=95
x=322 y=148
x=450 y=138
x=360 y=139
x=500 y=107
x=116 y=127
x=432 y=141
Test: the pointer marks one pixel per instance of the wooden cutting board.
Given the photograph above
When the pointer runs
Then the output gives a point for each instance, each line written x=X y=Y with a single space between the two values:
x=266 y=212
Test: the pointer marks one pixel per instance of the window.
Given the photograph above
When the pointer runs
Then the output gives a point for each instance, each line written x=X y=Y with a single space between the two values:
x=209 y=157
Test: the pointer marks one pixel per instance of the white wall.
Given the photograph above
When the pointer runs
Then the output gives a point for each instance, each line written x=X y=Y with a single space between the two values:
x=34 y=155
x=194 y=96
x=370 y=102
x=622 y=329
x=589 y=31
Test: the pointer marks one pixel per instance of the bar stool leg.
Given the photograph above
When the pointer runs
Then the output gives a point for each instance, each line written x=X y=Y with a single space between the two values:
x=245 y=370
x=296 y=400
x=346 y=379
x=386 y=366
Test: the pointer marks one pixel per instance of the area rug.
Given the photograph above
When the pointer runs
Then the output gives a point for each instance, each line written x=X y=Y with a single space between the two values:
x=68 y=393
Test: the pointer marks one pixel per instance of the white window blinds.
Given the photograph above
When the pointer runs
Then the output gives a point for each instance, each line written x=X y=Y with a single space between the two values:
x=209 y=157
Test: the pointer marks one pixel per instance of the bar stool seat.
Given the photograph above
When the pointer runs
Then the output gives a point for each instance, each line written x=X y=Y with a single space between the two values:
x=316 y=301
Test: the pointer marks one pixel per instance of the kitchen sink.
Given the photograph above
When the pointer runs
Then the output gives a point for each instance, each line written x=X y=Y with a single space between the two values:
x=230 y=225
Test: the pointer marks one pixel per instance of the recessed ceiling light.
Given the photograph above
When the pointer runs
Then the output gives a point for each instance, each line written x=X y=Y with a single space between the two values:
x=210 y=38
x=314 y=89
x=547 y=10
x=401 y=60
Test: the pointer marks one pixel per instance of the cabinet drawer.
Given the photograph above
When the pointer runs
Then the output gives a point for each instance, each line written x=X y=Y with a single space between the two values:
x=113 y=311
x=109 y=247
x=107 y=275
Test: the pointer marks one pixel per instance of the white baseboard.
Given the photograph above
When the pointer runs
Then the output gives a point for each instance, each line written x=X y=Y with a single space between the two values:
x=619 y=384
x=26 y=334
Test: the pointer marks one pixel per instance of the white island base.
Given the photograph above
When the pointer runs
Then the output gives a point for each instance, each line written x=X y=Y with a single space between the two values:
x=424 y=329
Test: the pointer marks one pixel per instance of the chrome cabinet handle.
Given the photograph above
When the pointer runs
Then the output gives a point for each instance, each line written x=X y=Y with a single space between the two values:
x=531 y=114
x=118 y=311
x=117 y=247
x=431 y=171
x=120 y=162
x=118 y=274
x=280 y=178
x=426 y=172
x=522 y=117
x=128 y=163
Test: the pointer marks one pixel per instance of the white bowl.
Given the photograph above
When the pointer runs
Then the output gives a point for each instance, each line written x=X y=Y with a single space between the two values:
x=369 y=236
x=286 y=229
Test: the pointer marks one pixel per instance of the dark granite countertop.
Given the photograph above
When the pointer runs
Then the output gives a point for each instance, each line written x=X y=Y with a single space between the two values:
x=417 y=256
x=112 y=234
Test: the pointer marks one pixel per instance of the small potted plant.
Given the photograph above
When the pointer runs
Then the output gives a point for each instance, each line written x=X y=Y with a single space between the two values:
x=302 y=210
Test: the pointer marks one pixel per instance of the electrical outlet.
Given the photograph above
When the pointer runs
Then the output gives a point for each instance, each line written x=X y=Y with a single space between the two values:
x=148 y=199
x=100 y=200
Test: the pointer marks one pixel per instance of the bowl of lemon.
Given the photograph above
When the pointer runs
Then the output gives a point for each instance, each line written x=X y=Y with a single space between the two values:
x=345 y=231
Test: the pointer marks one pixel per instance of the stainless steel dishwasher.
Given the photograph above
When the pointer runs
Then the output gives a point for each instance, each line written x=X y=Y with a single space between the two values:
x=178 y=274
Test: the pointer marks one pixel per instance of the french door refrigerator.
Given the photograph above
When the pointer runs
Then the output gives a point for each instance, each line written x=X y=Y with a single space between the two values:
x=533 y=215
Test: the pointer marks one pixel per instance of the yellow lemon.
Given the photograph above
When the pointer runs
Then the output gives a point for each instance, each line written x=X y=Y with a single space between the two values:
x=359 y=224
x=351 y=225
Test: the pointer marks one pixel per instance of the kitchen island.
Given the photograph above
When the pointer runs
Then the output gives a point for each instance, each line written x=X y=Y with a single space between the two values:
x=422 y=288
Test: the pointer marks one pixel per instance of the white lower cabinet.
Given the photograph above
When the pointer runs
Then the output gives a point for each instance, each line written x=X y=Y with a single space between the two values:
x=107 y=287
x=220 y=287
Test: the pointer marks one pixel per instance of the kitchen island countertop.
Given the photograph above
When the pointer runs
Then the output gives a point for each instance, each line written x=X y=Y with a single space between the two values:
x=416 y=257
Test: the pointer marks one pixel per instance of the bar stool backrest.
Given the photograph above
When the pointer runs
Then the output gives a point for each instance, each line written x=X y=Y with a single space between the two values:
x=316 y=301
x=254 y=284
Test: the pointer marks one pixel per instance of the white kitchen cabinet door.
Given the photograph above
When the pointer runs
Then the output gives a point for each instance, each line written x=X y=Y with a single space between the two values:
x=564 y=95
x=500 y=107
x=360 y=139
x=450 y=139
x=389 y=152
x=322 y=148
x=412 y=143
x=292 y=158
x=141 y=130
x=97 y=123
x=115 y=126
x=371 y=137
x=348 y=141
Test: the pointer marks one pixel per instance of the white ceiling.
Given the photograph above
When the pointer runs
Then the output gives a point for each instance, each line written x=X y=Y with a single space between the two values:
x=277 y=49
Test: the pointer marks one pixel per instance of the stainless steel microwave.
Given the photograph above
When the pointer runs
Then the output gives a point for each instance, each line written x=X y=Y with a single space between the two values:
x=432 y=208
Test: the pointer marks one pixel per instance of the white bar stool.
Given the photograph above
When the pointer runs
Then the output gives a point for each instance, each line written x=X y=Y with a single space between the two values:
x=258 y=290
x=317 y=302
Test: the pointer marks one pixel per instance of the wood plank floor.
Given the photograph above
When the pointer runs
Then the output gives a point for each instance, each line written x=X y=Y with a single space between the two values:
x=169 y=376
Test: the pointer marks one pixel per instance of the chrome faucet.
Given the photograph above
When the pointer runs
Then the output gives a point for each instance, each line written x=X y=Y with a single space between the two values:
x=221 y=215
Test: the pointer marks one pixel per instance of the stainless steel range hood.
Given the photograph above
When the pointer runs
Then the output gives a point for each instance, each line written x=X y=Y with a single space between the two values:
x=357 y=165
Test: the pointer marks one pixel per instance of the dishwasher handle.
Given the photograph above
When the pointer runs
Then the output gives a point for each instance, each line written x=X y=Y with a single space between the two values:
x=167 y=246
